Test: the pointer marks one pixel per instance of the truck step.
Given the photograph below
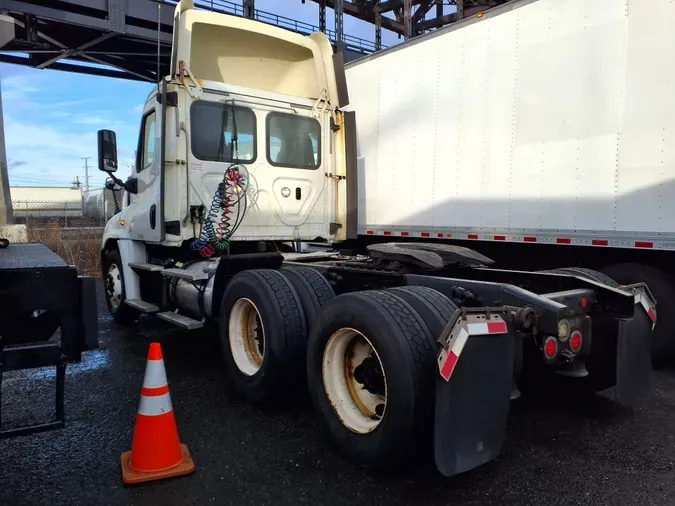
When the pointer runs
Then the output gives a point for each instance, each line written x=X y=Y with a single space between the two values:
x=141 y=305
x=180 y=320
x=183 y=274
x=146 y=267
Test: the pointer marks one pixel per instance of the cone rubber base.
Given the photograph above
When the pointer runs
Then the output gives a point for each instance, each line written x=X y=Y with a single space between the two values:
x=131 y=477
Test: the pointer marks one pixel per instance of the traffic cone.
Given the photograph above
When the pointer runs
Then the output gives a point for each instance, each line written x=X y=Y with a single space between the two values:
x=156 y=452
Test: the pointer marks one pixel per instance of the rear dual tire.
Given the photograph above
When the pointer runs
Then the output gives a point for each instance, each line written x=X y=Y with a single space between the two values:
x=369 y=362
x=402 y=347
x=263 y=333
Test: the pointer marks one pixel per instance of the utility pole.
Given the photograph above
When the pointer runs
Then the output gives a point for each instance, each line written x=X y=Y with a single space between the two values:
x=86 y=172
x=5 y=198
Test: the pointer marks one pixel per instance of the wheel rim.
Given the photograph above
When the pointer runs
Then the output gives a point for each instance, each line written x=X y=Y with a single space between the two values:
x=247 y=336
x=354 y=380
x=113 y=286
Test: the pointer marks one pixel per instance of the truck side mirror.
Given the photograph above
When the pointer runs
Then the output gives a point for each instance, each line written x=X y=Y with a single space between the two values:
x=110 y=184
x=107 y=151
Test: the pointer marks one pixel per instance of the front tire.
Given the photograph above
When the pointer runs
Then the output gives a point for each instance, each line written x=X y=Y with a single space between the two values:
x=115 y=292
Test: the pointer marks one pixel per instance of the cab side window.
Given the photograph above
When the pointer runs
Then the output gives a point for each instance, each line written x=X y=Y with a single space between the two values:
x=146 y=145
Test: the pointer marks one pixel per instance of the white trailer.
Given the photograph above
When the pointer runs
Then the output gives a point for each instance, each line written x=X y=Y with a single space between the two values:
x=245 y=152
x=539 y=122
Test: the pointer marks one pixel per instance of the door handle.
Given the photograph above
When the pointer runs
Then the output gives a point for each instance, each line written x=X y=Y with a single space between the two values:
x=153 y=216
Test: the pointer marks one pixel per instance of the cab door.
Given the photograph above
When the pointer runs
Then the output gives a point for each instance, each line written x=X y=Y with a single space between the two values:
x=146 y=222
x=296 y=158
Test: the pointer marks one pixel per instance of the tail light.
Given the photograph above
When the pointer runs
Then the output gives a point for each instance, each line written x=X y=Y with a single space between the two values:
x=550 y=348
x=576 y=341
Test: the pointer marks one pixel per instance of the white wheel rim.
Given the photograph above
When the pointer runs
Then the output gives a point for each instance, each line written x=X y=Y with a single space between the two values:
x=113 y=287
x=247 y=336
x=359 y=402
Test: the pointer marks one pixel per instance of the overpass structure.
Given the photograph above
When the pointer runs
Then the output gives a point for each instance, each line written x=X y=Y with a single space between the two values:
x=121 y=38
x=131 y=39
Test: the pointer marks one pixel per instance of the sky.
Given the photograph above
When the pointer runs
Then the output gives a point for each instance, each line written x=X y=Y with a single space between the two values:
x=51 y=117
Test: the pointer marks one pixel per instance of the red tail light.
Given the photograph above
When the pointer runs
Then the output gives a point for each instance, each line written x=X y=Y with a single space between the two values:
x=550 y=347
x=576 y=341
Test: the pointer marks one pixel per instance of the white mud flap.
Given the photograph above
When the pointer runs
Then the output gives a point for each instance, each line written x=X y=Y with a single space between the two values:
x=473 y=390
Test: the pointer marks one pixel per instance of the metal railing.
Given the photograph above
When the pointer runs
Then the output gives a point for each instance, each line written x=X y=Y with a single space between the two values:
x=352 y=43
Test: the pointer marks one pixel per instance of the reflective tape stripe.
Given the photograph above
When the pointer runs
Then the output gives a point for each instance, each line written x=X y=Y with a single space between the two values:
x=155 y=406
x=453 y=356
x=154 y=392
x=477 y=329
x=155 y=375
x=642 y=300
x=459 y=343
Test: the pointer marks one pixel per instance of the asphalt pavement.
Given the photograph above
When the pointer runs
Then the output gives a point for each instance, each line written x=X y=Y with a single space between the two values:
x=556 y=452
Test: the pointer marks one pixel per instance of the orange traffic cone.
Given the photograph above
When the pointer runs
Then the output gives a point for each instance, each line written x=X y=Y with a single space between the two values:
x=156 y=452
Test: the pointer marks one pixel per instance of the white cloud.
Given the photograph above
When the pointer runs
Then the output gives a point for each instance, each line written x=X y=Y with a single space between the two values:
x=137 y=109
x=51 y=154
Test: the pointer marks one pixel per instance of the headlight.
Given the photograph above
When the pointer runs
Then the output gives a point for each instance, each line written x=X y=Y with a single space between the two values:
x=563 y=330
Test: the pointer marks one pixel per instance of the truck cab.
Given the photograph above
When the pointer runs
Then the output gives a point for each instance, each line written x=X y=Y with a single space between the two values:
x=247 y=98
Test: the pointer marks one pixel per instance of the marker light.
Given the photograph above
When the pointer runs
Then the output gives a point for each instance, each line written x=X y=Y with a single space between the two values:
x=550 y=347
x=563 y=330
x=576 y=341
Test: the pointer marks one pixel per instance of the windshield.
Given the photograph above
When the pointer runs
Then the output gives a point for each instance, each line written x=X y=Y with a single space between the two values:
x=293 y=141
x=213 y=132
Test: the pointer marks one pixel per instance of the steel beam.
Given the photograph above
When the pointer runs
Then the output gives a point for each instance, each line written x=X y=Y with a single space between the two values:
x=353 y=10
x=52 y=14
x=322 y=16
x=70 y=52
x=378 y=31
x=249 y=9
x=460 y=9
x=407 y=19
x=69 y=67
x=339 y=26
x=437 y=22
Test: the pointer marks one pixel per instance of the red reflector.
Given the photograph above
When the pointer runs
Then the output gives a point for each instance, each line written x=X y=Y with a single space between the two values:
x=472 y=236
x=600 y=242
x=575 y=341
x=387 y=232
x=500 y=238
x=405 y=233
x=530 y=239
x=551 y=348
x=369 y=232
x=497 y=328
x=583 y=302
x=441 y=235
x=563 y=240
x=425 y=234
x=639 y=244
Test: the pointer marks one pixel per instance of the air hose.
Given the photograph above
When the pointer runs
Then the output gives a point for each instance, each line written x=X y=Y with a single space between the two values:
x=225 y=214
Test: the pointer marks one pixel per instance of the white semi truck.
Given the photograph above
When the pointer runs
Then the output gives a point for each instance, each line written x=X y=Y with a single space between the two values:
x=248 y=157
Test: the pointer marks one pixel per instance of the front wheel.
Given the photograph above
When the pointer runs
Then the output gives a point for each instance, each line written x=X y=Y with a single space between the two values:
x=115 y=294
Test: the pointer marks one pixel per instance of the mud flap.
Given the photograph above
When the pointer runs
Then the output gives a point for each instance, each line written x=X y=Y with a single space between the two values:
x=472 y=407
x=633 y=358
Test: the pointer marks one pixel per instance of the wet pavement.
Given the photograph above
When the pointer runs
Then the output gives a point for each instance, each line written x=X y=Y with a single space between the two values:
x=575 y=452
